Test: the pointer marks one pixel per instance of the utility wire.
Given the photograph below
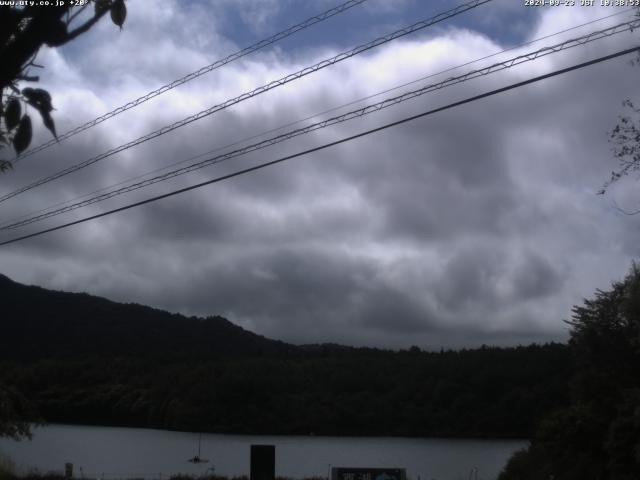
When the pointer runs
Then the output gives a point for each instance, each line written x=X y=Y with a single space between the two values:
x=265 y=88
x=608 y=32
x=331 y=144
x=7 y=223
x=296 y=122
x=193 y=75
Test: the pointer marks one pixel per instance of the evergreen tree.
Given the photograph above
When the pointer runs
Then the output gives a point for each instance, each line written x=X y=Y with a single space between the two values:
x=598 y=435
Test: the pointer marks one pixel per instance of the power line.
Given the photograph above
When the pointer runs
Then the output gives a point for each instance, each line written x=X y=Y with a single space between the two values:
x=6 y=224
x=331 y=144
x=49 y=212
x=193 y=75
x=265 y=88
x=497 y=67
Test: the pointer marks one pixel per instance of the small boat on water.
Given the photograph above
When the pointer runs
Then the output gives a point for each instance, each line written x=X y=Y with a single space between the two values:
x=197 y=458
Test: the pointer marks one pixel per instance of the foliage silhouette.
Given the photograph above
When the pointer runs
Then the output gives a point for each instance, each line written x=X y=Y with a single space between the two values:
x=16 y=414
x=23 y=31
x=625 y=138
x=598 y=434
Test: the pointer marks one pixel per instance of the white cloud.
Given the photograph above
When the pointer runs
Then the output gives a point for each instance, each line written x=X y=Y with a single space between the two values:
x=476 y=225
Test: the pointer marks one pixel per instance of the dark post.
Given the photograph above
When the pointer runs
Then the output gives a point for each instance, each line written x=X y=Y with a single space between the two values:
x=263 y=462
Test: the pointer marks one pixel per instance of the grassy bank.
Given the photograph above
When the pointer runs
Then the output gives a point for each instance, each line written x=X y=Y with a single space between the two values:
x=8 y=472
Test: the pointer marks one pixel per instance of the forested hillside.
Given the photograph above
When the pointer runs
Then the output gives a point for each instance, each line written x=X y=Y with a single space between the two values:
x=39 y=323
x=82 y=359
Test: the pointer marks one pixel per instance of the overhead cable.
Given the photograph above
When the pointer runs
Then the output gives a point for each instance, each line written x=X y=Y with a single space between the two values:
x=497 y=67
x=328 y=145
x=193 y=75
x=265 y=88
x=302 y=120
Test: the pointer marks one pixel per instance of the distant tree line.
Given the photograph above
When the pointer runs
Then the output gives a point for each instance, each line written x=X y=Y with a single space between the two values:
x=488 y=392
x=84 y=359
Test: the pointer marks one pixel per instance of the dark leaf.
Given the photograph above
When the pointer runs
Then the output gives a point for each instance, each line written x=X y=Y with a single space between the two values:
x=22 y=138
x=100 y=6
x=49 y=123
x=12 y=114
x=118 y=12
x=38 y=98
x=56 y=33
x=41 y=100
x=5 y=165
x=42 y=94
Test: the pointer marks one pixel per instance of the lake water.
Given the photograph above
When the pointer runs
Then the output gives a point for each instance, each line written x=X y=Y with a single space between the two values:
x=105 y=452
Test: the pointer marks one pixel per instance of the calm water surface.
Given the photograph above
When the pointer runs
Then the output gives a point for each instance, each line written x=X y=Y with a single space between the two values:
x=130 y=452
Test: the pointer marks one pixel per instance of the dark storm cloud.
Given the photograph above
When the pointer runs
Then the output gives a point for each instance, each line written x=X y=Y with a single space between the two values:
x=483 y=277
x=389 y=310
x=476 y=225
x=300 y=290
x=535 y=277
x=412 y=188
x=469 y=280
x=304 y=291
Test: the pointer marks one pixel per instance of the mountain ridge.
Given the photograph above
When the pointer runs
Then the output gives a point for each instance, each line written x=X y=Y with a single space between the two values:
x=87 y=360
x=49 y=323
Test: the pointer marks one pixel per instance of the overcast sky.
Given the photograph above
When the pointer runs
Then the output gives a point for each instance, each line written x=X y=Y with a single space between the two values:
x=476 y=225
